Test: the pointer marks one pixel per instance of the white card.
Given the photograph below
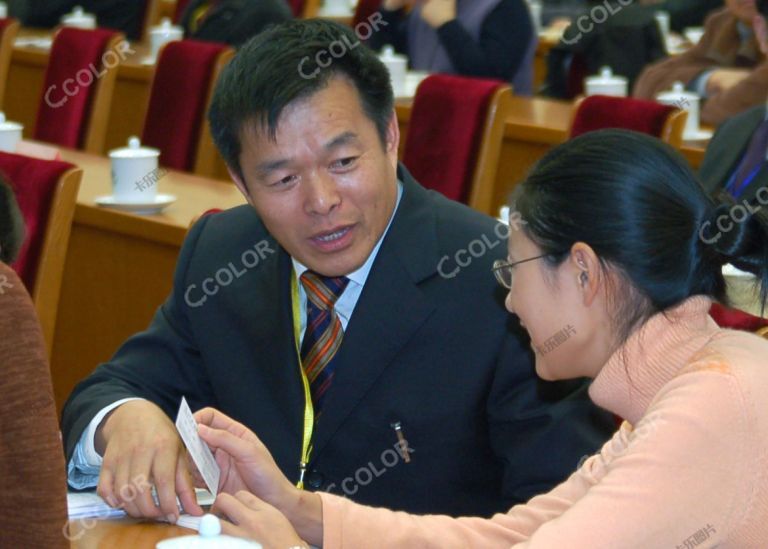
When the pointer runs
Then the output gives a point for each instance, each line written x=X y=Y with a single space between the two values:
x=201 y=454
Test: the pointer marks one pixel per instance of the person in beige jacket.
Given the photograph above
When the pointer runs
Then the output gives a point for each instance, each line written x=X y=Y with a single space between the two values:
x=614 y=260
x=728 y=67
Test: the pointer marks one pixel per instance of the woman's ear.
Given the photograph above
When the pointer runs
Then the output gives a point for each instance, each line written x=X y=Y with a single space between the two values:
x=586 y=267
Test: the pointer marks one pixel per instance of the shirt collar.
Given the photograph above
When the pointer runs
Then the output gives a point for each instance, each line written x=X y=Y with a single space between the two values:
x=360 y=275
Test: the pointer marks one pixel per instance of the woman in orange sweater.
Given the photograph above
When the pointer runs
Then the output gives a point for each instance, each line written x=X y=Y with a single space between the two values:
x=612 y=273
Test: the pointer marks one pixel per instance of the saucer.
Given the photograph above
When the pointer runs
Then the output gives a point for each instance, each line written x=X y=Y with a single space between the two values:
x=155 y=206
x=699 y=135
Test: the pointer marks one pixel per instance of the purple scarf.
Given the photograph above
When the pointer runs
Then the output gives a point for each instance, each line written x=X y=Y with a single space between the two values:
x=427 y=54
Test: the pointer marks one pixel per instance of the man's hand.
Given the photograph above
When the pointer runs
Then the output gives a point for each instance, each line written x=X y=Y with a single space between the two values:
x=249 y=517
x=723 y=79
x=141 y=448
x=438 y=12
x=394 y=5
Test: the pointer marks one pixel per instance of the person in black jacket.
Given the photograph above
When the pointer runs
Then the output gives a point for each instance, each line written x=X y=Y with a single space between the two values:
x=126 y=16
x=427 y=399
x=480 y=38
x=231 y=21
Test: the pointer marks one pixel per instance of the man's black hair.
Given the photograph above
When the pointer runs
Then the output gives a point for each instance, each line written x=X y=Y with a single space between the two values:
x=289 y=62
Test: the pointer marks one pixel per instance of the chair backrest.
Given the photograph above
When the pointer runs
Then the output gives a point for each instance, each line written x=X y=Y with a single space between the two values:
x=175 y=121
x=598 y=112
x=78 y=87
x=46 y=191
x=364 y=10
x=34 y=503
x=150 y=16
x=9 y=28
x=305 y=9
x=449 y=121
x=737 y=319
x=181 y=5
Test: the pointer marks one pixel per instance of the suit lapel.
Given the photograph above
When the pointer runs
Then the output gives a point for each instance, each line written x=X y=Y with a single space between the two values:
x=726 y=158
x=265 y=305
x=390 y=310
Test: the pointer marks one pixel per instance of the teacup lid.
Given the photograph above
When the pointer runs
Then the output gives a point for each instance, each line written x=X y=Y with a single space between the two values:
x=78 y=14
x=388 y=54
x=8 y=125
x=678 y=91
x=606 y=76
x=210 y=538
x=166 y=25
x=134 y=150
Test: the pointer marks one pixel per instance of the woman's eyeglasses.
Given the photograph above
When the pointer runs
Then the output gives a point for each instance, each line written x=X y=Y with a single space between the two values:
x=503 y=269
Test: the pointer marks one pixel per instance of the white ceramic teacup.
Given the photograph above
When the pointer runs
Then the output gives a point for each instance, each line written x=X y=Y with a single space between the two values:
x=3 y=10
x=10 y=134
x=78 y=18
x=135 y=173
x=162 y=34
x=397 y=65
x=693 y=34
x=682 y=99
x=606 y=83
x=341 y=7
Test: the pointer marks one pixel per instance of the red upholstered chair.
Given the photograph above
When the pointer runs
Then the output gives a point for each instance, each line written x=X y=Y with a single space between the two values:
x=455 y=134
x=78 y=86
x=599 y=112
x=364 y=10
x=181 y=5
x=181 y=90
x=9 y=28
x=306 y=9
x=737 y=319
x=46 y=191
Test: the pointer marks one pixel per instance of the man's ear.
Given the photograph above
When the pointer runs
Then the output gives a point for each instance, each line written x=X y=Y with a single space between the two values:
x=760 y=27
x=240 y=184
x=393 y=137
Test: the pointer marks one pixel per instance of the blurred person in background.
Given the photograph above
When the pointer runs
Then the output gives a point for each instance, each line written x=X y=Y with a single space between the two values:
x=481 y=38
x=127 y=16
x=727 y=68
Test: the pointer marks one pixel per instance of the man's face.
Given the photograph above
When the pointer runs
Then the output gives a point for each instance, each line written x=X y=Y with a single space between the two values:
x=326 y=187
x=744 y=10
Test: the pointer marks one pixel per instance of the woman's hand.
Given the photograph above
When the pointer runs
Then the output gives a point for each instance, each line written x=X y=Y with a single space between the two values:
x=438 y=12
x=245 y=462
x=249 y=517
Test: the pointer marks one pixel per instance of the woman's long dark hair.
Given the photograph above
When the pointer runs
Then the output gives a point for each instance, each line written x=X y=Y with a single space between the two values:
x=636 y=202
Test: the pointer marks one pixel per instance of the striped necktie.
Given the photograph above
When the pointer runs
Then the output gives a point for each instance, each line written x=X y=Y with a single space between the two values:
x=323 y=334
x=752 y=162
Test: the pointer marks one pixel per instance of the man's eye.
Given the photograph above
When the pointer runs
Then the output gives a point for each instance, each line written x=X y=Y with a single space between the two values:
x=287 y=180
x=344 y=162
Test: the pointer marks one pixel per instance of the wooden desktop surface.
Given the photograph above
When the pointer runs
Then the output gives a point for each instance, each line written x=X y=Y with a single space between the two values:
x=120 y=266
x=120 y=533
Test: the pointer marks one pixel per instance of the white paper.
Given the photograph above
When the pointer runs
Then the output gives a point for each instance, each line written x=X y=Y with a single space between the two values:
x=90 y=504
x=198 y=450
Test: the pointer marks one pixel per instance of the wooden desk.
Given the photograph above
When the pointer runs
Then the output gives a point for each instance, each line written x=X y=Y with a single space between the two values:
x=120 y=266
x=121 y=533
x=535 y=126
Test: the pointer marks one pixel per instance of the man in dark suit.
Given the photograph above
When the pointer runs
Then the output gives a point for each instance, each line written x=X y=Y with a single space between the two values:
x=412 y=385
x=728 y=164
x=737 y=157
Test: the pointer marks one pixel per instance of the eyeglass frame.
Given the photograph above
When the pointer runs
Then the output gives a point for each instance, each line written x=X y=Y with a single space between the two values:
x=501 y=264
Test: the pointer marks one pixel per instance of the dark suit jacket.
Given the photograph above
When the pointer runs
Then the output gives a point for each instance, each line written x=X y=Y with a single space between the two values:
x=234 y=21
x=726 y=150
x=440 y=355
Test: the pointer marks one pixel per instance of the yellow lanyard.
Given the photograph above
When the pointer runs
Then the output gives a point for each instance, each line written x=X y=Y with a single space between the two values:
x=309 y=412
